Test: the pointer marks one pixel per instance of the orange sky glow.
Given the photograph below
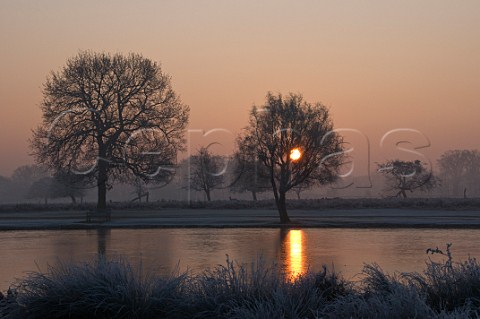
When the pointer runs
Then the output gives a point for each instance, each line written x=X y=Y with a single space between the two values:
x=379 y=65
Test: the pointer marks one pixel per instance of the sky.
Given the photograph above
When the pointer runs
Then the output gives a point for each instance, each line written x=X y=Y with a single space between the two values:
x=389 y=71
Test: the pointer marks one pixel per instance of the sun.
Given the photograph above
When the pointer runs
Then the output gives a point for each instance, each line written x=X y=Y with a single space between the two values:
x=295 y=154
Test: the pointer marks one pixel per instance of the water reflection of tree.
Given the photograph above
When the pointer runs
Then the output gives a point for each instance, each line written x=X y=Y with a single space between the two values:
x=103 y=237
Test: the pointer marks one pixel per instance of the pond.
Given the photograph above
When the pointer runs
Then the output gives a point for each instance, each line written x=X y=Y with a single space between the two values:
x=195 y=249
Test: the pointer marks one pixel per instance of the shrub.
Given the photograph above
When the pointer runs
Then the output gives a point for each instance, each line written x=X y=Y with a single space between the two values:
x=102 y=289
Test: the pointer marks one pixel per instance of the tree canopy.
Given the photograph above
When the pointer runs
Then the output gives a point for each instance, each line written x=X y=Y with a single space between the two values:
x=108 y=116
x=205 y=172
x=287 y=126
x=248 y=173
x=67 y=184
x=403 y=176
x=23 y=177
x=460 y=172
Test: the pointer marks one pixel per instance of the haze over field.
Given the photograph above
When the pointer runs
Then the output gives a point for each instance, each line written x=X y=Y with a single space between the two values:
x=379 y=65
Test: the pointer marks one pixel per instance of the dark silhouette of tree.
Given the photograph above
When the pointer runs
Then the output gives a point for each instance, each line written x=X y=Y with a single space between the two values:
x=67 y=184
x=403 y=176
x=5 y=189
x=248 y=173
x=24 y=176
x=140 y=189
x=107 y=116
x=460 y=171
x=60 y=185
x=300 y=188
x=41 y=188
x=206 y=172
x=284 y=124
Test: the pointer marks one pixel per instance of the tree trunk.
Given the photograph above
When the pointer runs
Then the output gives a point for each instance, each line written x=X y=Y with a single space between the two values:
x=46 y=200
x=282 y=208
x=280 y=202
x=298 y=194
x=102 y=196
x=207 y=192
x=102 y=186
x=74 y=201
x=254 y=195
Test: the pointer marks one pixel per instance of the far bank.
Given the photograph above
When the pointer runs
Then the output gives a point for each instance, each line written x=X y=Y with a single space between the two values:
x=147 y=217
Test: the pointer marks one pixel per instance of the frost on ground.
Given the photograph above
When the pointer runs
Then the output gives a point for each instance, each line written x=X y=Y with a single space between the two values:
x=114 y=289
x=321 y=203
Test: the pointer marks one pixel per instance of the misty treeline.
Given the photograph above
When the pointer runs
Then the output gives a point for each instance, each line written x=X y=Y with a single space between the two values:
x=113 y=119
x=116 y=118
x=34 y=183
x=459 y=171
x=455 y=175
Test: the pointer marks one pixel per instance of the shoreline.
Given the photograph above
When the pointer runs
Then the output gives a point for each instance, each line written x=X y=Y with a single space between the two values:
x=244 y=218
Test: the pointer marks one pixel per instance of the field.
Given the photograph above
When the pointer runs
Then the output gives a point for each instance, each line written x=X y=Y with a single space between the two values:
x=317 y=204
x=461 y=213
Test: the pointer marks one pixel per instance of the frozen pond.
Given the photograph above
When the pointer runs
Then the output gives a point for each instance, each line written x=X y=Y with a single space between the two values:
x=199 y=248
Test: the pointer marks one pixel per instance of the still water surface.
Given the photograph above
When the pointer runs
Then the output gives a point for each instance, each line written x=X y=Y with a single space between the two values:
x=295 y=251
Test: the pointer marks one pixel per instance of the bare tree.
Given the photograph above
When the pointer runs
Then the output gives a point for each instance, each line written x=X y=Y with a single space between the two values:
x=60 y=185
x=67 y=184
x=460 y=171
x=24 y=176
x=5 y=188
x=41 y=188
x=300 y=188
x=249 y=174
x=140 y=189
x=206 y=172
x=107 y=116
x=403 y=176
x=295 y=141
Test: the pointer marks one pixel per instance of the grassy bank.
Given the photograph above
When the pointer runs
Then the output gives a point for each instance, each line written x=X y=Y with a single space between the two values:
x=114 y=289
x=319 y=204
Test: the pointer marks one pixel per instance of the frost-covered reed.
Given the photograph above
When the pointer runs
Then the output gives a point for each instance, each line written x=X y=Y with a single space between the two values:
x=115 y=289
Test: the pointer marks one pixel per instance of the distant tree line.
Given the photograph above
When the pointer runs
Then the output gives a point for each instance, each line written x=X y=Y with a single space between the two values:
x=457 y=175
x=116 y=119
x=32 y=182
x=459 y=171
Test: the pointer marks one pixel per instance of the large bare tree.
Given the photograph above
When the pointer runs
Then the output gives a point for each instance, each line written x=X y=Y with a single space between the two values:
x=296 y=142
x=110 y=116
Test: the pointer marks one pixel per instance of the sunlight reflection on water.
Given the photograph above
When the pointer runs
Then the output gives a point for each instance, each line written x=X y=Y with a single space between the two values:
x=294 y=261
x=161 y=250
